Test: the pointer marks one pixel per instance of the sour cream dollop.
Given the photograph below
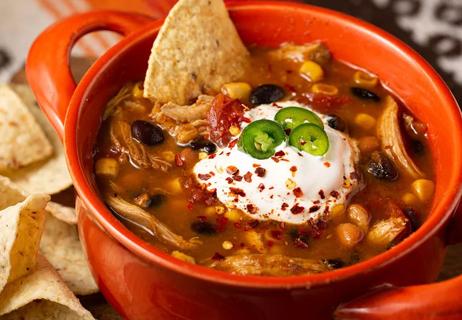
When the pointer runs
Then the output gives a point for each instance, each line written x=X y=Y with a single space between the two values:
x=292 y=186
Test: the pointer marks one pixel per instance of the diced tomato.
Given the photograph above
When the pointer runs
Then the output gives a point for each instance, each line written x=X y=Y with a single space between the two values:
x=323 y=103
x=224 y=113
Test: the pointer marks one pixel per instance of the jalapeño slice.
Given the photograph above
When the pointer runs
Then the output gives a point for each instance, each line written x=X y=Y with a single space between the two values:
x=260 y=138
x=292 y=117
x=309 y=138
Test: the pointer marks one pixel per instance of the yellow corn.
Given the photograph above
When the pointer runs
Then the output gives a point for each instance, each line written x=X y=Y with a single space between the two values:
x=107 y=167
x=423 y=189
x=219 y=209
x=181 y=256
x=364 y=79
x=227 y=245
x=233 y=215
x=137 y=90
x=175 y=186
x=409 y=199
x=365 y=121
x=254 y=240
x=312 y=70
x=203 y=155
x=326 y=89
x=290 y=184
x=237 y=90
x=337 y=211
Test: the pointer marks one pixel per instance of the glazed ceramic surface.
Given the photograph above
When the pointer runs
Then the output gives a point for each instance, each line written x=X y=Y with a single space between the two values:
x=145 y=283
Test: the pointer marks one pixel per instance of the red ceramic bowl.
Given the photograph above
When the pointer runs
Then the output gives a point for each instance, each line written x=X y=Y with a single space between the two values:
x=142 y=282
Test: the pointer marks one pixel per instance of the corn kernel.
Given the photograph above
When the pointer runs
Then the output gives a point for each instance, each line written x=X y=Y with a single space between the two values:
x=234 y=130
x=364 y=79
x=168 y=156
x=203 y=155
x=227 y=245
x=137 y=90
x=181 y=256
x=107 y=167
x=365 y=121
x=409 y=199
x=219 y=209
x=312 y=70
x=290 y=184
x=423 y=189
x=237 y=90
x=368 y=144
x=337 y=211
x=325 y=89
x=175 y=186
x=233 y=215
x=254 y=240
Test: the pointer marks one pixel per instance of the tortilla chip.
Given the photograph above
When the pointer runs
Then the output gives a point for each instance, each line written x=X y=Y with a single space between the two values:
x=61 y=246
x=21 y=227
x=50 y=176
x=10 y=194
x=22 y=141
x=197 y=50
x=43 y=284
x=63 y=213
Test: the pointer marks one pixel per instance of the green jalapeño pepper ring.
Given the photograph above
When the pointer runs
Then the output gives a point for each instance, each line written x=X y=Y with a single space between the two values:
x=309 y=138
x=292 y=117
x=260 y=138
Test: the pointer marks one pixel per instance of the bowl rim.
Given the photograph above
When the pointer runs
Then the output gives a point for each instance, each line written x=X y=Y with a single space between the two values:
x=92 y=202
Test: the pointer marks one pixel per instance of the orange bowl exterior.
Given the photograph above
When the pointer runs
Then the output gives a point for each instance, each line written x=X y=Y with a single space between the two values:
x=145 y=283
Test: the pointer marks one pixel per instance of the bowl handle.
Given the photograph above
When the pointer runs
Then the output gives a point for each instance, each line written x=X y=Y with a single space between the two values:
x=47 y=65
x=437 y=301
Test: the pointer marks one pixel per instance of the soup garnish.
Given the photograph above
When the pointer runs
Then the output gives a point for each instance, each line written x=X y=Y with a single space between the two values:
x=291 y=163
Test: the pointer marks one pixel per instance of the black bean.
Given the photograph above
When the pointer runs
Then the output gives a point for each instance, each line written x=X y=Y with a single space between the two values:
x=413 y=217
x=365 y=94
x=266 y=93
x=156 y=200
x=203 y=227
x=417 y=147
x=147 y=133
x=203 y=145
x=337 y=123
x=334 y=263
x=381 y=167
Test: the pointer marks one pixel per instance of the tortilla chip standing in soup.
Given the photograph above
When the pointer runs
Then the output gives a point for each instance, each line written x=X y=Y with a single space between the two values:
x=260 y=161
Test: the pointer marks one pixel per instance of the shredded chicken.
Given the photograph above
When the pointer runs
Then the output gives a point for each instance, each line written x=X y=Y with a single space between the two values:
x=389 y=133
x=385 y=232
x=196 y=111
x=122 y=95
x=150 y=223
x=120 y=134
x=315 y=51
x=268 y=264
x=184 y=123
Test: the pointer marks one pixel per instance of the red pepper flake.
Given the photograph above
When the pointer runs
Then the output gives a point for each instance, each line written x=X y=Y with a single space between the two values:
x=202 y=218
x=261 y=172
x=275 y=159
x=298 y=192
x=204 y=176
x=327 y=164
x=334 y=194
x=244 y=119
x=290 y=87
x=296 y=209
x=280 y=153
x=232 y=143
x=248 y=177
x=284 y=206
x=321 y=194
x=301 y=242
x=237 y=191
x=316 y=202
x=237 y=178
x=293 y=169
x=261 y=187
x=314 y=209
x=271 y=188
x=218 y=256
x=222 y=221
x=354 y=175
x=179 y=160
x=213 y=155
x=232 y=170
x=237 y=225
x=251 y=225
x=256 y=165
x=251 y=208
x=269 y=243
x=229 y=180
